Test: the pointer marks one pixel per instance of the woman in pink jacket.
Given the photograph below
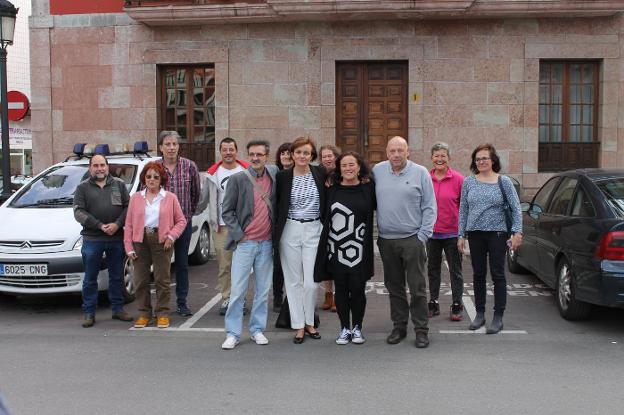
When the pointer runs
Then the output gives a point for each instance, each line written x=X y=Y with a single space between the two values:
x=447 y=184
x=153 y=222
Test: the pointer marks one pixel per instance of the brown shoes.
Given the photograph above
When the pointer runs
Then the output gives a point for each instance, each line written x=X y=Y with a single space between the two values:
x=329 y=301
x=163 y=322
x=122 y=315
x=89 y=320
x=141 y=322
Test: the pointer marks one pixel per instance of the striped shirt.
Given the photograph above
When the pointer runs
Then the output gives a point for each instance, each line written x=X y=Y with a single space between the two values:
x=184 y=183
x=304 y=198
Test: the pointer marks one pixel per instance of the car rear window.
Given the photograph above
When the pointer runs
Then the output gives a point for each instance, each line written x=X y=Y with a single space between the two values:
x=56 y=188
x=613 y=190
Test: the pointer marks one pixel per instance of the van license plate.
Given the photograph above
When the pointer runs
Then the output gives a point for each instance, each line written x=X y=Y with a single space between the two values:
x=16 y=270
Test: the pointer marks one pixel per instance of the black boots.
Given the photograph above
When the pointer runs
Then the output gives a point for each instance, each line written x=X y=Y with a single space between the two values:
x=496 y=326
x=478 y=322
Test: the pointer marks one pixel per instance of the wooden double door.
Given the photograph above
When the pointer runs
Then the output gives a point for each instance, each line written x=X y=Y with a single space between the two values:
x=371 y=106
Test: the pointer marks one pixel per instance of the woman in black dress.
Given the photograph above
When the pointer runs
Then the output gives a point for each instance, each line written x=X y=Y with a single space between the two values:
x=347 y=237
x=283 y=160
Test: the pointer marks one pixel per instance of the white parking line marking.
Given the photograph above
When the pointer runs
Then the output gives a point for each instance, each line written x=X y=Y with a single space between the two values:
x=206 y=308
x=469 y=307
x=177 y=329
x=481 y=331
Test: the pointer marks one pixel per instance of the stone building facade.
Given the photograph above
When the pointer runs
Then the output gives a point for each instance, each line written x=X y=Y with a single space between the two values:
x=541 y=80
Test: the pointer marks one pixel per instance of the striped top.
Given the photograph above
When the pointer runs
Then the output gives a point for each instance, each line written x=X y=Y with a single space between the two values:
x=304 y=198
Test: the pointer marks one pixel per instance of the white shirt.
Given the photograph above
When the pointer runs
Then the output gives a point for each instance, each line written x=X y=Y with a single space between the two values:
x=223 y=175
x=152 y=210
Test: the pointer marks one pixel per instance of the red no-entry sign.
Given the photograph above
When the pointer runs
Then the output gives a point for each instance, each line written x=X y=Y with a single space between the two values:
x=18 y=105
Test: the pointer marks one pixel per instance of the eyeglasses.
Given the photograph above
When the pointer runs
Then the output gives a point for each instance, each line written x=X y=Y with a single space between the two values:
x=252 y=155
x=149 y=177
x=482 y=159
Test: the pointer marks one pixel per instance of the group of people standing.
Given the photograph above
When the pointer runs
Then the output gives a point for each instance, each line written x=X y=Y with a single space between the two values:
x=148 y=228
x=298 y=224
x=315 y=224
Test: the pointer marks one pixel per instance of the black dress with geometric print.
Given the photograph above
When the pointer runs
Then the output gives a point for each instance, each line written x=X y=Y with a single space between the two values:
x=345 y=241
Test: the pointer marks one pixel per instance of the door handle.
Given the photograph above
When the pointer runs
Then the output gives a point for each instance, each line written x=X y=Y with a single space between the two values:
x=366 y=135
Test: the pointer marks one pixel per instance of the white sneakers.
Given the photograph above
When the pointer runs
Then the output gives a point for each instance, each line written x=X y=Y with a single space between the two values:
x=260 y=338
x=231 y=341
x=344 y=337
x=353 y=336
x=356 y=335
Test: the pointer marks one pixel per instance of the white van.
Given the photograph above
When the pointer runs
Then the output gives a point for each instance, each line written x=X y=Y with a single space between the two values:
x=40 y=239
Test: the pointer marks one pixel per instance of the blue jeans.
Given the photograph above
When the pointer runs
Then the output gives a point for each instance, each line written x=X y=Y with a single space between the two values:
x=181 y=248
x=259 y=256
x=92 y=252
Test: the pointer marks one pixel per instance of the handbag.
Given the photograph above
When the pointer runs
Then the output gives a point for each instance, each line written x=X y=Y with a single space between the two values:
x=506 y=207
x=283 y=318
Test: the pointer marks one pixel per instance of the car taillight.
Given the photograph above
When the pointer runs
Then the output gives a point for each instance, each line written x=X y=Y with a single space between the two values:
x=611 y=246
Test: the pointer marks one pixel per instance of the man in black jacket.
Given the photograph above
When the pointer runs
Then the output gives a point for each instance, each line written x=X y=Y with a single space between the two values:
x=100 y=205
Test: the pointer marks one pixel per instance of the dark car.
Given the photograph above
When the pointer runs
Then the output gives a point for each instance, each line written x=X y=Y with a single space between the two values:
x=574 y=240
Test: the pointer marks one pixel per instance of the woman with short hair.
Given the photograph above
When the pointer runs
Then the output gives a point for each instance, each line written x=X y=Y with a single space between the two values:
x=283 y=160
x=300 y=195
x=447 y=184
x=329 y=154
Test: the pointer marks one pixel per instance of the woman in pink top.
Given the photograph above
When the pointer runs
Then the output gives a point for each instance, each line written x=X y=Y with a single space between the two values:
x=153 y=222
x=447 y=184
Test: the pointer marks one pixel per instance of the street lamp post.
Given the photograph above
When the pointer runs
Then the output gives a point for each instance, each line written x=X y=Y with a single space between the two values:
x=8 y=12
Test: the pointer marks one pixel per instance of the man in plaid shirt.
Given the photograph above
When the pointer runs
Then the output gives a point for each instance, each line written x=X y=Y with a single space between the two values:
x=184 y=183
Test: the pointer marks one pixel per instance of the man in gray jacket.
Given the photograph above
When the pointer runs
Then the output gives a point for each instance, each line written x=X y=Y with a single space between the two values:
x=100 y=205
x=248 y=214
x=406 y=213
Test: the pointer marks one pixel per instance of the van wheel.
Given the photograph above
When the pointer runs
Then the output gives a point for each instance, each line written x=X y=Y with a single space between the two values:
x=201 y=254
x=128 y=291
x=569 y=307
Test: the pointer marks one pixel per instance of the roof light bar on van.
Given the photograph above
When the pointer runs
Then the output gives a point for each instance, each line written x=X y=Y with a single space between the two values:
x=101 y=149
x=141 y=147
x=79 y=149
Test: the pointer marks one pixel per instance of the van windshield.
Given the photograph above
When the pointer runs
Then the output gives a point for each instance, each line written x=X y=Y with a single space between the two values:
x=56 y=188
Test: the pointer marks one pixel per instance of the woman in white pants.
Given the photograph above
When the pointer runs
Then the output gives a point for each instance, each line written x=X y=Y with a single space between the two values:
x=300 y=195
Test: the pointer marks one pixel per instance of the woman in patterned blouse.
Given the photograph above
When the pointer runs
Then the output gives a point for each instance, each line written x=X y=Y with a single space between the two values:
x=482 y=220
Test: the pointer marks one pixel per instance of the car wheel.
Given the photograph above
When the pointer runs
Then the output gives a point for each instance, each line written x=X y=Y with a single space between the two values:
x=201 y=254
x=128 y=292
x=512 y=262
x=569 y=307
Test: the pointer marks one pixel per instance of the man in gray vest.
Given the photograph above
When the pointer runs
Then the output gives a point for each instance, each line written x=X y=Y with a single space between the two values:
x=100 y=205
x=406 y=213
